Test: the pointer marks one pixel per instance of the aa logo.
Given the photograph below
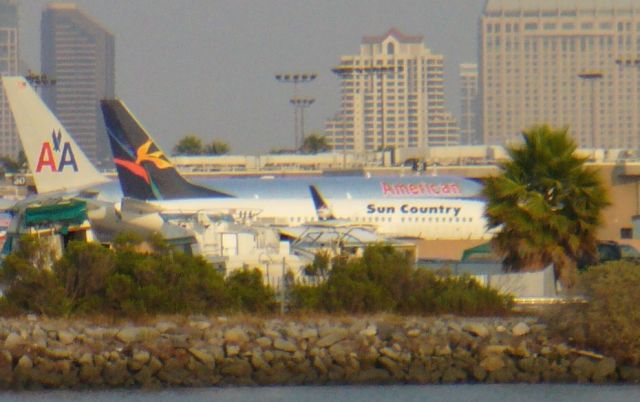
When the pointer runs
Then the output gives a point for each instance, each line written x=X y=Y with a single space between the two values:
x=54 y=158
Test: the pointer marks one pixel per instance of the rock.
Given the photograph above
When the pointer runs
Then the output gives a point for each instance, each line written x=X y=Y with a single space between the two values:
x=583 y=368
x=13 y=340
x=165 y=326
x=284 y=345
x=604 y=369
x=309 y=333
x=391 y=354
x=264 y=342
x=630 y=374
x=236 y=335
x=86 y=359
x=413 y=333
x=129 y=334
x=202 y=356
x=492 y=363
x=200 y=325
x=443 y=350
x=237 y=368
x=232 y=350
x=370 y=331
x=495 y=349
x=66 y=337
x=520 y=329
x=25 y=363
x=373 y=376
x=331 y=337
x=477 y=329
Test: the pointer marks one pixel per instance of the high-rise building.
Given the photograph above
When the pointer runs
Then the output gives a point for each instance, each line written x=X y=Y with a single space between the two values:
x=79 y=53
x=565 y=63
x=9 y=65
x=469 y=105
x=392 y=95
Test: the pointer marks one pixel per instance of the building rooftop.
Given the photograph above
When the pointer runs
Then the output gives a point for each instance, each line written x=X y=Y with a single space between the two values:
x=369 y=40
x=562 y=7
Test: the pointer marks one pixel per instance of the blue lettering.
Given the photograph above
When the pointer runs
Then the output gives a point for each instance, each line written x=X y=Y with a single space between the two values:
x=67 y=158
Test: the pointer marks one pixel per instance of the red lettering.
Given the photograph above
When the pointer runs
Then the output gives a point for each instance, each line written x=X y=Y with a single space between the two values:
x=414 y=189
x=46 y=158
x=386 y=189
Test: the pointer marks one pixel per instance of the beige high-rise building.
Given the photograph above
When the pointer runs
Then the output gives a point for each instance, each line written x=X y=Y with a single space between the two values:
x=569 y=63
x=392 y=95
x=9 y=143
x=80 y=53
x=469 y=105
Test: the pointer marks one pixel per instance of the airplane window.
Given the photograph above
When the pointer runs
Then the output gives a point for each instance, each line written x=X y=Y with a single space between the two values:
x=470 y=219
x=430 y=219
x=401 y=219
x=457 y=220
x=450 y=219
x=437 y=219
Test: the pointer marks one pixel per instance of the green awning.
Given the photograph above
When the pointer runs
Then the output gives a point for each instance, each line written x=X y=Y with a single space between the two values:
x=483 y=252
x=72 y=212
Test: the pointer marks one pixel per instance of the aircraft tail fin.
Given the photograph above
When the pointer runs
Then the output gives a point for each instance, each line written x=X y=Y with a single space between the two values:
x=55 y=159
x=144 y=171
x=323 y=210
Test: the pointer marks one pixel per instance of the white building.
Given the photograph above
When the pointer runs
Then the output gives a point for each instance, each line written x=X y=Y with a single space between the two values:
x=469 y=105
x=565 y=63
x=392 y=95
x=9 y=143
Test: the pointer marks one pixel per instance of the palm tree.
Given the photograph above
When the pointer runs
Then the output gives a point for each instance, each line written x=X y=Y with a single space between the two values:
x=547 y=203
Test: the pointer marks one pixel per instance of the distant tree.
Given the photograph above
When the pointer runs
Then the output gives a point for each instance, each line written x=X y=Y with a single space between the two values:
x=14 y=165
x=547 y=203
x=281 y=151
x=315 y=143
x=216 y=147
x=189 y=145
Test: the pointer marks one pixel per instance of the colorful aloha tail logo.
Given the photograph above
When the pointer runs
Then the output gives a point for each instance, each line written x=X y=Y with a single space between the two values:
x=142 y=155
x=55 y=159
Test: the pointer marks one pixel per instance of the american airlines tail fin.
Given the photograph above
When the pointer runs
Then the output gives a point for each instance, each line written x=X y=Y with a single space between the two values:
x=54 y=158
x=322 y=207
x=144 y=171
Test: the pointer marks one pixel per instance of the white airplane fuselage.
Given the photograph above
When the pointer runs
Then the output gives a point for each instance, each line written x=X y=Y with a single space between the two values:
x=437 y=218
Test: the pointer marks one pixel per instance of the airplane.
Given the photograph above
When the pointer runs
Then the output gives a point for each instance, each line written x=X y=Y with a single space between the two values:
x=60 y=168
x=429 y=209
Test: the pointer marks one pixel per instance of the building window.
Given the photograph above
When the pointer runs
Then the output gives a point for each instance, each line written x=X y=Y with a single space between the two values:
x=390 y=48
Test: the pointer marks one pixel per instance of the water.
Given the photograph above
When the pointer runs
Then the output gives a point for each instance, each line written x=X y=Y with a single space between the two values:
x=439 y=393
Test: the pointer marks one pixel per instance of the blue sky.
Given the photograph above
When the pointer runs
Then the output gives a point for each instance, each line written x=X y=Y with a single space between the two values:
x=207 y=67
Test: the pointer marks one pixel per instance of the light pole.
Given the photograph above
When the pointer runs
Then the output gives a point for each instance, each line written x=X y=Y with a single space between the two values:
x=295 y=79
x=592 y=77
x=301 y=103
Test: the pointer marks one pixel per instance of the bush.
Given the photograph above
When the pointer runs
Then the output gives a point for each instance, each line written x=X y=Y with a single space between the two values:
x=30 y=285
x=610 y=320
x=248 y=292
x=384 y=280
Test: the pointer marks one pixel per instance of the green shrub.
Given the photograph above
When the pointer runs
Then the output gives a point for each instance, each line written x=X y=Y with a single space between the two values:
x=30 y=285
x=384 y=280
x=248 y=292
x=610 y=320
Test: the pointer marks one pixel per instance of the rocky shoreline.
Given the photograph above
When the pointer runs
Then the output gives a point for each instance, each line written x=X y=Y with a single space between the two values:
x=41 y=353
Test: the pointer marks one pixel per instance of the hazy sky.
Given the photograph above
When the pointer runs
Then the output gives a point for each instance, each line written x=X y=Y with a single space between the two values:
x=207 y=66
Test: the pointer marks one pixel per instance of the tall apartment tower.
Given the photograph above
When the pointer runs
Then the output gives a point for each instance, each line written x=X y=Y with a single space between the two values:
x=79 y=53
x=469 y=105
x=562 y=62
x=392 y=95
x=9 y=65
